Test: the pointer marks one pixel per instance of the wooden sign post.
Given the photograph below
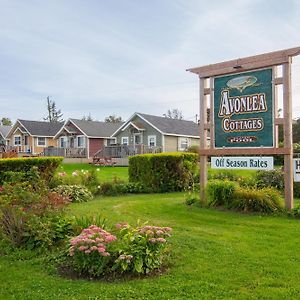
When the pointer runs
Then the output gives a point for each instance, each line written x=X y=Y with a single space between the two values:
x=246 y=120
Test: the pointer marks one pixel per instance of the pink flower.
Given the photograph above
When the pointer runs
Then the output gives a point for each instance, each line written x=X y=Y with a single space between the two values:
x=101 y=249
x=62 y=174
x=75 y=173
x=105 y=254
x=110 y=238
x=82 y=248
x=161 y=240
x=121 y=225
x=87 y=251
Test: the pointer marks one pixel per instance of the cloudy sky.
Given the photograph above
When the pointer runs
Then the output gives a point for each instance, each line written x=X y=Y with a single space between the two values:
x=121 y=56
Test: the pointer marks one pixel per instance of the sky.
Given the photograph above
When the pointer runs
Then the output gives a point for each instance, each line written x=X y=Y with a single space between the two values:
x=118 y=57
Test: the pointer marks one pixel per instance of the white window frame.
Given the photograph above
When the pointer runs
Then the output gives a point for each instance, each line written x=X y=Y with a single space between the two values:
x=123 y=139
x=17 y=136
x=78 y=139
x=38 y=141
x=186 y=141
x=65 y=141
x=154 y=140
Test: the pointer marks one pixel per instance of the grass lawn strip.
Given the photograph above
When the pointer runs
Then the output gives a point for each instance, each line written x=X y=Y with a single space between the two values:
x=216 y=255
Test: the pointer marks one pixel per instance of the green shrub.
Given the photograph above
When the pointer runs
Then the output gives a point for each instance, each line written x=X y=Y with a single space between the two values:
x=266 y=200
x=136 y=250
x=163 y=172
x=76 y=193
x=220 y=192
x=46 y=166
x=273 y=178
x=224 y=175
x=141 y=249
x=32 y=217
x=118 y=188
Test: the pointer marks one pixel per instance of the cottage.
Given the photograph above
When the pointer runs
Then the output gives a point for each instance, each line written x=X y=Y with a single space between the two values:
x=143 y=133
x=33 y=136
x=82 y=139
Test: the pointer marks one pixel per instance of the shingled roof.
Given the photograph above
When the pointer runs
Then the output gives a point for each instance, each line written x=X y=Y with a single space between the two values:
x=172 y=126
x=4 y=130
x=96 y=128
x=38 y=128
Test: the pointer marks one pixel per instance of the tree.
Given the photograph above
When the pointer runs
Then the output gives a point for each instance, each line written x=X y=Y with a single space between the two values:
x=175 y=113
x=88 y=118
x=54 y=114
x=113 y=119
x=6 y=121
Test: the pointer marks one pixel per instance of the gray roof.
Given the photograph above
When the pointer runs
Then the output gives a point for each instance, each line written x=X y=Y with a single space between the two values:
x=4 y=130
x=173 y=126
x=39 y=128
x=96 y=128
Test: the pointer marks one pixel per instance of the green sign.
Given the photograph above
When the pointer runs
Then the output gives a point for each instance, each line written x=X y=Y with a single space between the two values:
x=243 y=110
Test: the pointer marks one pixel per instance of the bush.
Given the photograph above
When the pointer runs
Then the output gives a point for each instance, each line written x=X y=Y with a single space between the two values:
x=140 y=249
x=90 y=251
x=32 y=217
x=118 y=188
x=76 y=193
x=266 y=200
x=163 y=172
x=135 y=250
x=46 y=166
x=273 y=178
x=220 y=193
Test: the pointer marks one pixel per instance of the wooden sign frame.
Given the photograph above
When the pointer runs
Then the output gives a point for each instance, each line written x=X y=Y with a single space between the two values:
x=206 y=75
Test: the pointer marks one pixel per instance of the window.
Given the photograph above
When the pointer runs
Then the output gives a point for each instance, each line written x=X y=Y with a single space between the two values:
x=63 y=142
x=124 y=140
x=183 y=143
x=152 y=140
x=17 y=140
x=80 y=142
x=41 y=141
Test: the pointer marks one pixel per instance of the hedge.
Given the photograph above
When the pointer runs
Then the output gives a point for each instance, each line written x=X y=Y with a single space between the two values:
x=163 y=172
x=46 y=165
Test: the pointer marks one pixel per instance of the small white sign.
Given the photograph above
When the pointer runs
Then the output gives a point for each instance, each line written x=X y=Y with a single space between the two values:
x=243 y=162
x=297 y=169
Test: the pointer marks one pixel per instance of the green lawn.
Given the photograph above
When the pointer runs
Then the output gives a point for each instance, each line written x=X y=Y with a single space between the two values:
x=104 y=173
x=216 y=255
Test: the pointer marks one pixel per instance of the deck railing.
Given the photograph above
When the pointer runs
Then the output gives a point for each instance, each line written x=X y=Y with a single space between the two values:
x=121 y=151
x=66 y=152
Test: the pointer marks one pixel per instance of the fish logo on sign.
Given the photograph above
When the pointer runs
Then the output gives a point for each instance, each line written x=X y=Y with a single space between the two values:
x=242 y=82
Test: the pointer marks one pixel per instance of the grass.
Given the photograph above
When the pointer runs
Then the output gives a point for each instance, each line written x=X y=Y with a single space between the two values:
x=104 y=173
x=216 y=255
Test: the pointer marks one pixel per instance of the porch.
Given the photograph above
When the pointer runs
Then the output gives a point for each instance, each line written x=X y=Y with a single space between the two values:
x=123 y=151
x=65 y=152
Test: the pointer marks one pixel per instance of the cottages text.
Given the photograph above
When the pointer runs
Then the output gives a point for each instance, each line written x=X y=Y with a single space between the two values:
x=230 y=106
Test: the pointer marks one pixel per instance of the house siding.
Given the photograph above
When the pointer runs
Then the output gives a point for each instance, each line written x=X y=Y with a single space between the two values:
x=171 y=143
x=95 y=145
x=149 y=130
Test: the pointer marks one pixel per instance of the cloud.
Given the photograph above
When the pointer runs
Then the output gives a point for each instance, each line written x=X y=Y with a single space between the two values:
x=119 y=57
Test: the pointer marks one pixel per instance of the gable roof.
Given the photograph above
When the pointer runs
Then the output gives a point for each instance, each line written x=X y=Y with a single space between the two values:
x=168 y=126
x=95 y=128
x=4 y=130
x=39 y=128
